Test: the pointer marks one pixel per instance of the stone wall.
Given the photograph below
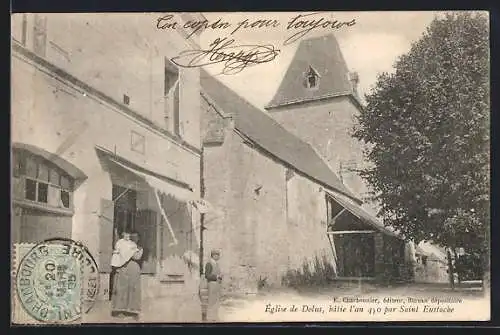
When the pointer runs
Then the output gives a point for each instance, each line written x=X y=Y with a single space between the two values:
x=271 y=223
x=308 y=241
x=327 y=125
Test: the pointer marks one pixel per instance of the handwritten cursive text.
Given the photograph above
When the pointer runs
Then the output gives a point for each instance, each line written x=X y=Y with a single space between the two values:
x=305 y=25
x=168 y=22
x=234 y=57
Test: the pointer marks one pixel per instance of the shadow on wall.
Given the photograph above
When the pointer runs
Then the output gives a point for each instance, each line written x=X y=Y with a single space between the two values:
x=320 y=272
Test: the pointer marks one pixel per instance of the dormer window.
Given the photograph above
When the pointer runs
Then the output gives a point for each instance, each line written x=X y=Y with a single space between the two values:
x=311 y=78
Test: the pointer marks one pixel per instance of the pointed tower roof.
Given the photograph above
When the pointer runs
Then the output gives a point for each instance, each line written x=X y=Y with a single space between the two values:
x=323 y=55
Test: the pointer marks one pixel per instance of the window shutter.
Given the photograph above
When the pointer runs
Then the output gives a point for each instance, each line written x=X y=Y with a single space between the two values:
x=176 y=115
x=106 y=235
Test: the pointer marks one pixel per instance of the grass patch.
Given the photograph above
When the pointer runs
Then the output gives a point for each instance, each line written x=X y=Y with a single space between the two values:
x=319 y=273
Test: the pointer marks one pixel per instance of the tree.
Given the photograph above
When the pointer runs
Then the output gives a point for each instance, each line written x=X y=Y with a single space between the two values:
x=427 y=129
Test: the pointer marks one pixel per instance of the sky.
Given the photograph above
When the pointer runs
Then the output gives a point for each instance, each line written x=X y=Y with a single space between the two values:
x=370 y=46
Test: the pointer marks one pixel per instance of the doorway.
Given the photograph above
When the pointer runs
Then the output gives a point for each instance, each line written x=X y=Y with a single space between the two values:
x=127 y=216
x=356 y=255
x=125 y=208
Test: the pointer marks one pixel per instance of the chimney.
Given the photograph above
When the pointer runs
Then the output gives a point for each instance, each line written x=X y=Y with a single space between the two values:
x=354 y=79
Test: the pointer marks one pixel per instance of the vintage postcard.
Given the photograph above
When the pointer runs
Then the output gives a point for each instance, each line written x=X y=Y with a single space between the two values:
x=250 y=167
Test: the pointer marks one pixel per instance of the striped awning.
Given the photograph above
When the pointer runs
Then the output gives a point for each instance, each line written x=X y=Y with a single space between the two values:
x=165 y=186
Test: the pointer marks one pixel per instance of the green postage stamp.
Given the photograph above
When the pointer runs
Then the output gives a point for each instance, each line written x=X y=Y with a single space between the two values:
x=56 y=281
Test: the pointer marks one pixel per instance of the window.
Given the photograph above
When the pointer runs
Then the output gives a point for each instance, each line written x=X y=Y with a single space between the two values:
x=311 y=78
x=171 y=94
x=65 y=198
x=424 y=260
x=43 y=190
x=42 y=182
x=30 y=190
x=171 y=77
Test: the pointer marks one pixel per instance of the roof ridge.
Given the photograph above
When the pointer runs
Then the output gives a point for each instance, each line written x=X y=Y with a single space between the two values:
x=240 y=124
x=263 y=111
x=301 y=100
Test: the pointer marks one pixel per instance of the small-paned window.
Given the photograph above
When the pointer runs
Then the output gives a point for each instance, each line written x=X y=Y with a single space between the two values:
x=30 y=189
x=43 y=191
x=44 y=182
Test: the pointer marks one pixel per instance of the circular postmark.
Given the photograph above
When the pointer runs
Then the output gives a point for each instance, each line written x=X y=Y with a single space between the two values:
x=57 y=281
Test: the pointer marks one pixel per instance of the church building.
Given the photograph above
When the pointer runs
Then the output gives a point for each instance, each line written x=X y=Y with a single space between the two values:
x=318 y=100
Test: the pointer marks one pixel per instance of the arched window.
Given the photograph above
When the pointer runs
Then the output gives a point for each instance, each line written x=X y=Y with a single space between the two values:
x=38 y=181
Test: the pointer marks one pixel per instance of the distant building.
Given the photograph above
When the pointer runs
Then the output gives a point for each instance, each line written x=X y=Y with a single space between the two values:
x=431 y=265
x=106 y=135
x=284 y=209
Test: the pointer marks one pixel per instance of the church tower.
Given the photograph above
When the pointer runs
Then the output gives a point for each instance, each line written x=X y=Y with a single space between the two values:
x=317 y=101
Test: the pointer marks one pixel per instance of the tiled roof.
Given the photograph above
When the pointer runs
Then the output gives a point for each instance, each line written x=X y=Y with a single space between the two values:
x=266 y=133
x=324 y=56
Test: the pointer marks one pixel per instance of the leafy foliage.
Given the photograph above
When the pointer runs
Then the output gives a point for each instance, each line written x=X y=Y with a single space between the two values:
x=427 y=129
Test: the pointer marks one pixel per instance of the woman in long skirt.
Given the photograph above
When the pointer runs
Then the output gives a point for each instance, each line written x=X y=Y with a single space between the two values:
x=213 y=277
x=126 y=298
